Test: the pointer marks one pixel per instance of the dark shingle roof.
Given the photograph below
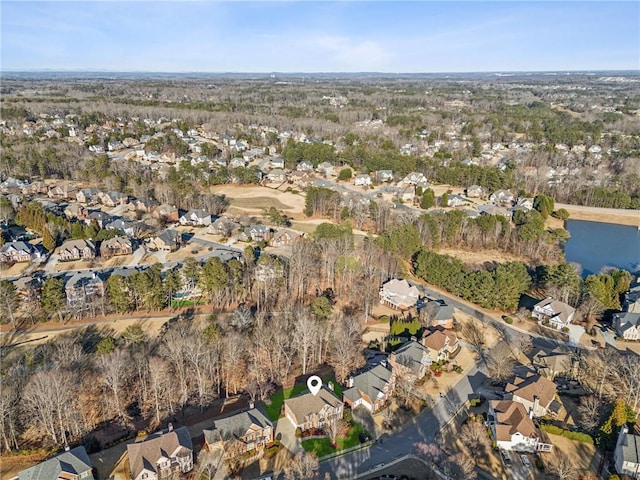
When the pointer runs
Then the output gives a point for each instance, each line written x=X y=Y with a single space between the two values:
x=370 y=383
x=75 y=462
x=236 y=425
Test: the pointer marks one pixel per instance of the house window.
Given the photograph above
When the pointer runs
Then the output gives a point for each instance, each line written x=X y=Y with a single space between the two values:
x=145 y=475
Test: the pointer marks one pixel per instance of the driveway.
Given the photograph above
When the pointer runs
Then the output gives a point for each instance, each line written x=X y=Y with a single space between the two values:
x=287 y=435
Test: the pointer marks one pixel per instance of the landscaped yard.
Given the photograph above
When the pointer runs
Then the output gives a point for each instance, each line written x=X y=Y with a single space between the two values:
x=278 y=398
x=322 y=446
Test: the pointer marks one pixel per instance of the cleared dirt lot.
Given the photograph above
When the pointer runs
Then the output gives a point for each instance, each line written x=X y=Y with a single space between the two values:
x=255 y=198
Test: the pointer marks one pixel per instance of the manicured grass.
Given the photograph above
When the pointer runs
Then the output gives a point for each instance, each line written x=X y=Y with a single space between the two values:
x=337 y=388
x=278 y=398
x=186 y=303
x=322 y=446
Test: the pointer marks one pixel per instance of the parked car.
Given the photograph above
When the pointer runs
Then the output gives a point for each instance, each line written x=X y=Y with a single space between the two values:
x=505 y=458
x=525 y=461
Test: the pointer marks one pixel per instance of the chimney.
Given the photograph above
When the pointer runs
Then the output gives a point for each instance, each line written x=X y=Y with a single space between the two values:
x=170 y=427
x=350 y=382
x=330 y=385
x=67 y=448
x=252 y=405
x=536 y=404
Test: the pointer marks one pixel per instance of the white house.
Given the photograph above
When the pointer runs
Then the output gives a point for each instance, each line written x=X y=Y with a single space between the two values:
x=558 y=313
x=362 y=180
x=456 y=201
x=627 y=325
x=535 y=392
x=513 y=429
x=399 y=294
x=627 y=453
x=196 y=217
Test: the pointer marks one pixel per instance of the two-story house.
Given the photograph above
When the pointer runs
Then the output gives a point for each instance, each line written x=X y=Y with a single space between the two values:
x=167 y=212
x=83 y=287
x=513 y=429
x=72 y=464
x=116 y=246
x=535 y=392
x=443 y=344
x=169 y=240
x=411 y=361
x=627 y=453
x=371 y=389
x=557 y=313
x=161 y=455
x=196 y=218
x=627 y=325
x=554 y=362
x=438 y=314
x=112 y=199
x=223 y=226
x=308 y=411
x=257 y=233
x=399 y=294
x=362 y=179
x=17 y=252
x=77 y=250
x=239 y=433
x=284 y=237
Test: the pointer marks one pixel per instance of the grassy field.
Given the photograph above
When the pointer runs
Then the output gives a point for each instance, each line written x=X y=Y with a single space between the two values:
x=322 y=446
x=278 y=398
x=258 y=203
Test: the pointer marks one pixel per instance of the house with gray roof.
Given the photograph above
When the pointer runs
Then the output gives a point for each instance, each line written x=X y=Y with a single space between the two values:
x=116 y=246
x=77 y=250
x=412 y=360
x=308 y=411
x=16 y=252
x=627 y=453
x=558 y=314
x=83 y=287
x=72 y=464
x=196 y=218
x=166 y=240
x=162 y=455
x=439 y=314
x=240 y=433
x=627 y=325
x=631 y=301
x=371 y=389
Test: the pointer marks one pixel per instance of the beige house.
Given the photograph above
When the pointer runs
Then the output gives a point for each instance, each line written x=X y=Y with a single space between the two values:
x=534 y=391
x=17 y=252
x=443 y=344
x=399 y=294
x=77 y=250
x=308 y=411
x=371 y=389
x=162 y=455
x=240 y=433
x=411 y=361
x=513 y=429
x=116 y=246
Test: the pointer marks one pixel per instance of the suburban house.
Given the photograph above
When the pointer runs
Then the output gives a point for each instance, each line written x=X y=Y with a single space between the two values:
x=277 y=175
x=553 y=362
x=631 y=301
x=83 y=287
x=161 y=455
x=487 y=209
x=62 y=191
x=17 y=252
x=399 y=294
x=166 y=240
x=75 y=210
x=411 y=361
x=557 y=313
x=475 y=191
x=125 y=226
x=371 y=389
x=77 y=250
x=257 y=233
x=223 y=226
x=504 y=198
x=284 y=237
x=196 y=218
x=443 y=344
x=439 y=314
x=325 y=168
x=112 y=199
x=168 y=212
x=239 y=433
x=277 y=162
x=535 y=392
x=71 y=464
x=98 y=217
x=525 y=204
x=304 y=166
x=145 y=205
x=513 y=429
x=116 y=246
x=415 y=178
x=384 y=175
x=456 y=201
x=627 y=453
x=627 y=325
x=362 y=180
x=28 y=287
x=308 y=411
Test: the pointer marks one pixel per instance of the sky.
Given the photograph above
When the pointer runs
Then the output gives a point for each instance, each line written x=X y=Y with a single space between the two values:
x=307 y=36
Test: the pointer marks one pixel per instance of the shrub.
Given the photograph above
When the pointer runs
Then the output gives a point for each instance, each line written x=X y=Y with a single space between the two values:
x=561 y=213
x=507 y=319
x=457 y=369
x=565 y=329
x=474 y=402
x=298 y=432
x=576 y=436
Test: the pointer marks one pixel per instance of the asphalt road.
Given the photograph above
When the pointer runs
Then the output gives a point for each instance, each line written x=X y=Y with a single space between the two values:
x=423 y=428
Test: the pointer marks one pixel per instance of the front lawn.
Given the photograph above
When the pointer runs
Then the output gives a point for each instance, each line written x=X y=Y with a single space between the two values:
x=278 y=398
x=322 y=446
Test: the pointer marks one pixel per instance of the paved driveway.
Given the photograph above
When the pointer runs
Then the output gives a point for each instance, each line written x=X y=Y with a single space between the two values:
x=287 y=435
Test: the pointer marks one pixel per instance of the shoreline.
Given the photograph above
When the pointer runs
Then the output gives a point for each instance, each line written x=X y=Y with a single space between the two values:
x=617 y=216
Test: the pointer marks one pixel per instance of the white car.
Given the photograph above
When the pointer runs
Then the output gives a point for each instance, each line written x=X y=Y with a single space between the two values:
x=525 y=461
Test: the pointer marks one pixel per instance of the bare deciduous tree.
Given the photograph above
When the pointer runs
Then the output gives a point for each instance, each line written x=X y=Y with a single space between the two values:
x=474 y=436
x=304 y=466
x=561 y=467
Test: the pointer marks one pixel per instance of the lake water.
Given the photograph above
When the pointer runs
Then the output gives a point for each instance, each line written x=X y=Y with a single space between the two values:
x=595 y=245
